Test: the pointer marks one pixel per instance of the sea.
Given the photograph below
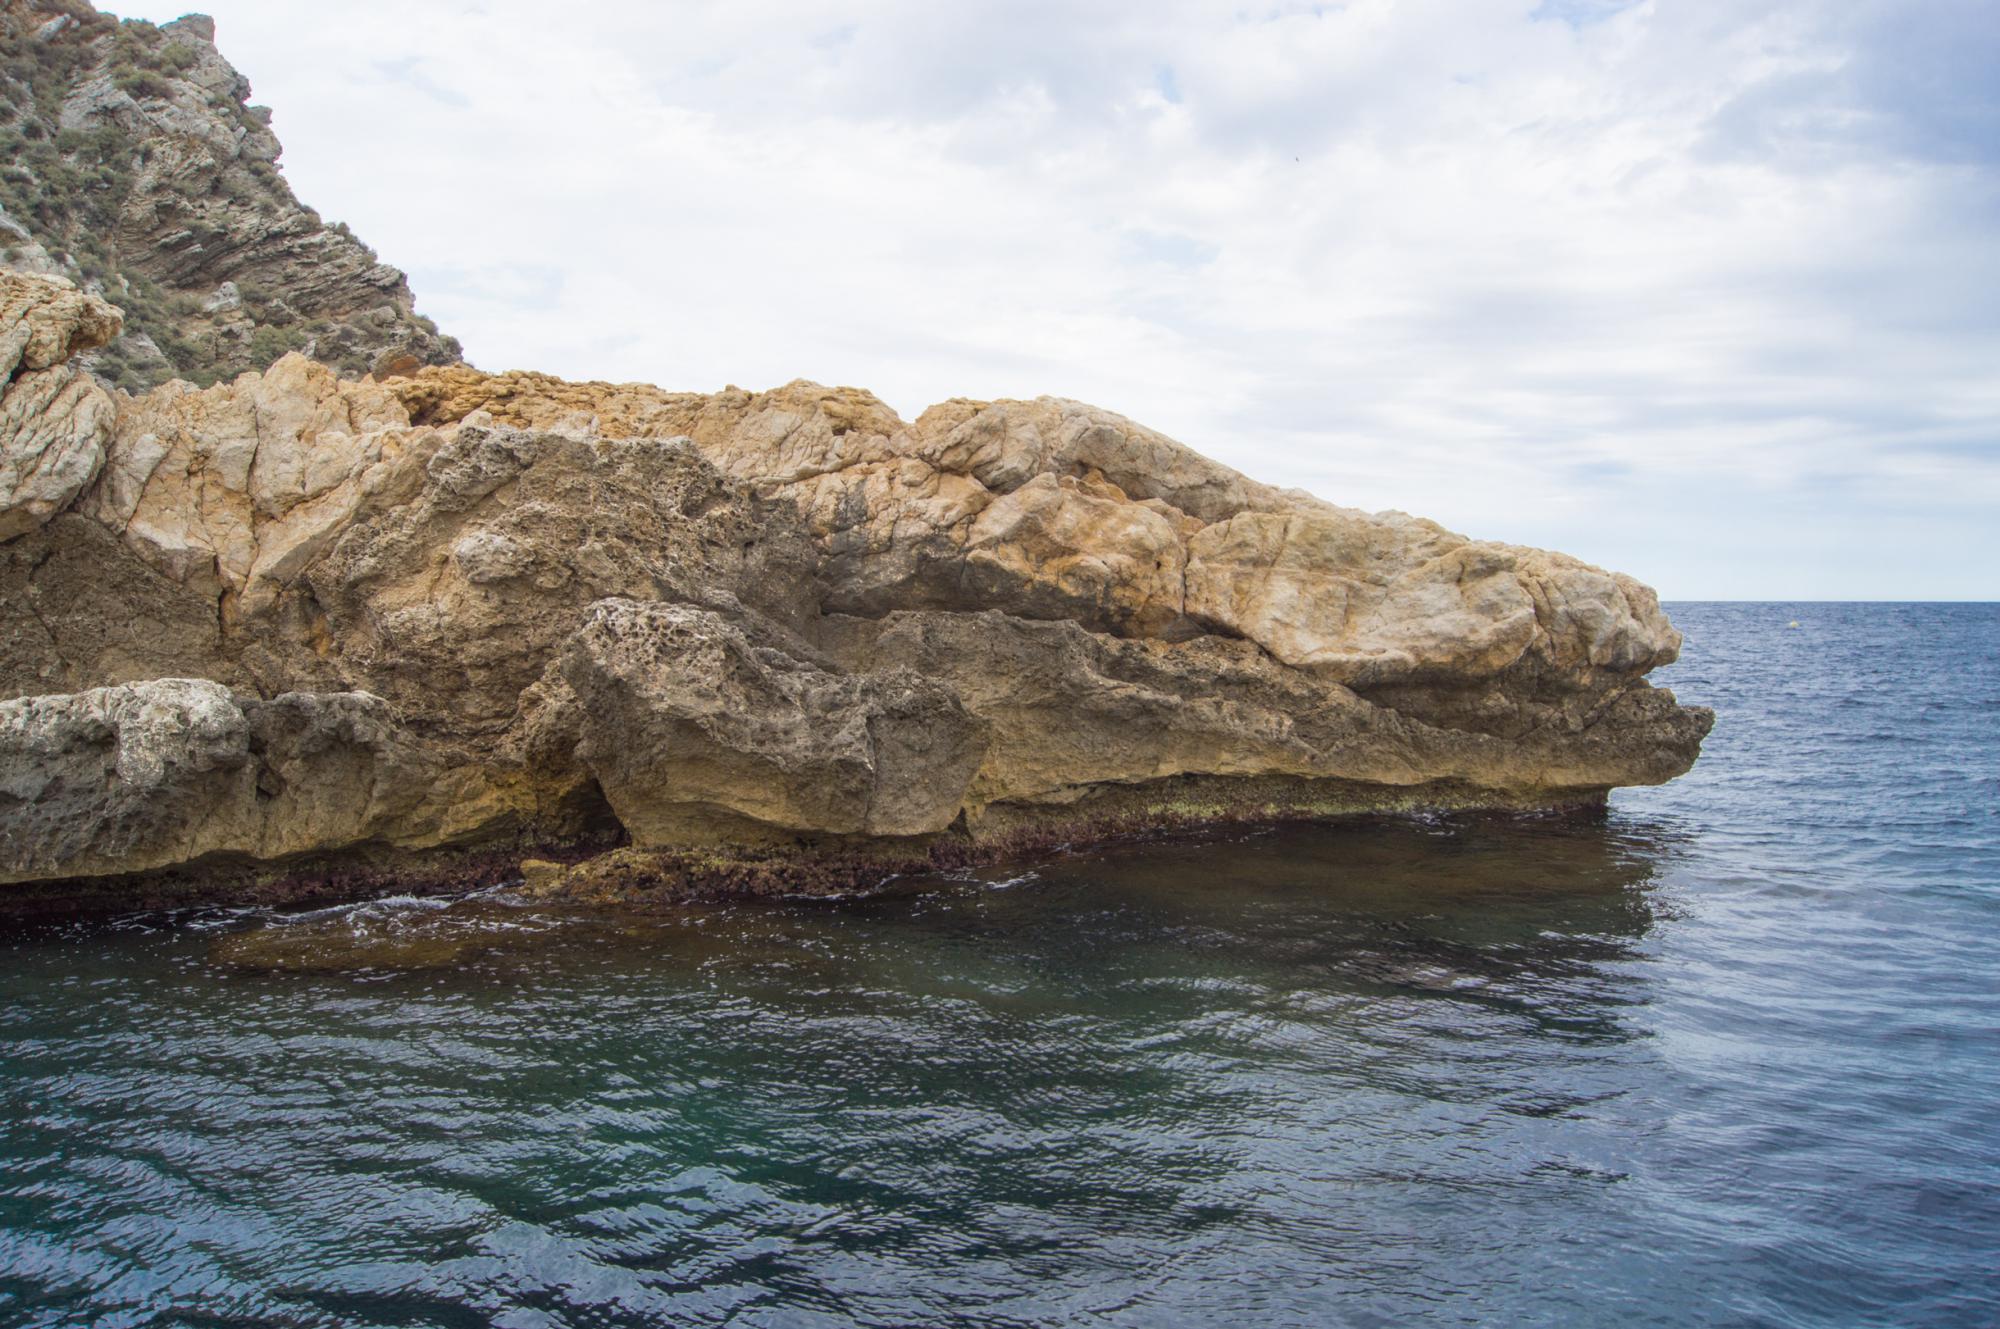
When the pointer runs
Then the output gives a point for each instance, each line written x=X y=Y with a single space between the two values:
x=1729 y=1055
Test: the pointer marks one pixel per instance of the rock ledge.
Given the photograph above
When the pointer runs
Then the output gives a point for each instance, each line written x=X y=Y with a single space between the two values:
x=299 y=629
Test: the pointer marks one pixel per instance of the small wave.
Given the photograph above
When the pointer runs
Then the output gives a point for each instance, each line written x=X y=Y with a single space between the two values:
x=385 y=905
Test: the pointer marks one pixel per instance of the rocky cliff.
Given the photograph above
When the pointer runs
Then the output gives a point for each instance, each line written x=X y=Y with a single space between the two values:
x=136 y=167
x=300 y=627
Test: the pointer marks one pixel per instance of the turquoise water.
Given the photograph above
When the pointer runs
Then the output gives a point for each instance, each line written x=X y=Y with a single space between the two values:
x=1730 y=1056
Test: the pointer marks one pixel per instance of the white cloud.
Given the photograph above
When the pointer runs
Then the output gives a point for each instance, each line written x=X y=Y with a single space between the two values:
x=1700 y=289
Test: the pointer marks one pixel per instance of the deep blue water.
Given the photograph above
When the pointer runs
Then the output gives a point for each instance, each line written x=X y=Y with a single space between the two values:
x=1730 y=1057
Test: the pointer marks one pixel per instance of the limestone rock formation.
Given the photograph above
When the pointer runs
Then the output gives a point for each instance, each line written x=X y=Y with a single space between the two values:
x=688 y=716
x=54 y=421
x=513 y=615
x=152 y=775
x=138 y=168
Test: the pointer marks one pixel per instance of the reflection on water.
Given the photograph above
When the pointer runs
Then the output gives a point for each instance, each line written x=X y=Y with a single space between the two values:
x=1728 y=1056
x=1383 y=898
x=1114 y=1084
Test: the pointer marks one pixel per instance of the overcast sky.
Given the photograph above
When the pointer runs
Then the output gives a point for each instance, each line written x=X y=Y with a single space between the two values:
x=1704 y=290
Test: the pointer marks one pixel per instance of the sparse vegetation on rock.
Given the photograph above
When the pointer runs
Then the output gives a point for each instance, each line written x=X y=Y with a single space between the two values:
x=136 y=166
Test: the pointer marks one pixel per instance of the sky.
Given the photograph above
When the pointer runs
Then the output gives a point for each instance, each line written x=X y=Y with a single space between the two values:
x=1707 y=291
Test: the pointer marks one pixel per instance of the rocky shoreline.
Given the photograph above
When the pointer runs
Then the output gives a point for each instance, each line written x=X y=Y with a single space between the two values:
x=612 y=874
x=295 y=629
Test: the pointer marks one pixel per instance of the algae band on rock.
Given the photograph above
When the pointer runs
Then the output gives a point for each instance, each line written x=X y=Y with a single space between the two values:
x=294 y=630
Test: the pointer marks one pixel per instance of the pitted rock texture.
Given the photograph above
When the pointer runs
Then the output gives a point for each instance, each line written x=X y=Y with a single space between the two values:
x=173 y=771
x=758 y=623
x=688 y=714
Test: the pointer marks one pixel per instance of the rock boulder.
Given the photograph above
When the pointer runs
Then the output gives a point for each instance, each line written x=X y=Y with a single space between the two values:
x=173 y=772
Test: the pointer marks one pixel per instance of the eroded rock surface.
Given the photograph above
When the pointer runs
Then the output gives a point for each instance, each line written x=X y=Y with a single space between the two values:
x=170 y=772
x=509 y=614
x=54 y=418
x=692 y=719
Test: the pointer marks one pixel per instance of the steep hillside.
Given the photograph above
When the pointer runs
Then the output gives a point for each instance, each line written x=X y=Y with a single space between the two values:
x=135 y=166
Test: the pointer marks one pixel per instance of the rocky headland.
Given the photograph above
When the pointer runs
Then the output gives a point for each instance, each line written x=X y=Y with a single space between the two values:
x=301 y=633
x=293 y=603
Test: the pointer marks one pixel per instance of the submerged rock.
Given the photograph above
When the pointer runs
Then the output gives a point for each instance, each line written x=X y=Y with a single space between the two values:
x=393 y=933
x=772 y=640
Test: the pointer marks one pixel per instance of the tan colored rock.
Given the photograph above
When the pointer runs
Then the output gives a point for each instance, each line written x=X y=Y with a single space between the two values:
x=44 y=321
x=1387 y=598
x=1063 y=548
x=1006 y=443
x=695 y=721
x=1364 y=597
x=53 y=428
x=1071 y=712
x=54 y=419
x=233 y=489
x=445 y=395
x=899 y=509
x=725 y=626
x=457 y=581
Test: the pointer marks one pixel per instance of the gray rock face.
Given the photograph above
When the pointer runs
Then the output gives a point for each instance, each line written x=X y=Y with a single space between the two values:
x=514 y=612
x=173 y=771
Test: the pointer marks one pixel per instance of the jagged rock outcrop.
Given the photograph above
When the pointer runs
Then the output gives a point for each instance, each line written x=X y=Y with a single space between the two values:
x=54 y=420
x=137 y=167
x=779 y=624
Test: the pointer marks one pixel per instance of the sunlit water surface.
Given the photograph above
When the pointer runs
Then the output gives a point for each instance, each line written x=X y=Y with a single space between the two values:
x=1730 y=1057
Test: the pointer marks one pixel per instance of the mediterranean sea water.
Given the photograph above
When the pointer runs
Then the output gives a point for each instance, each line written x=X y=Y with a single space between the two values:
x=1730 y=1056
